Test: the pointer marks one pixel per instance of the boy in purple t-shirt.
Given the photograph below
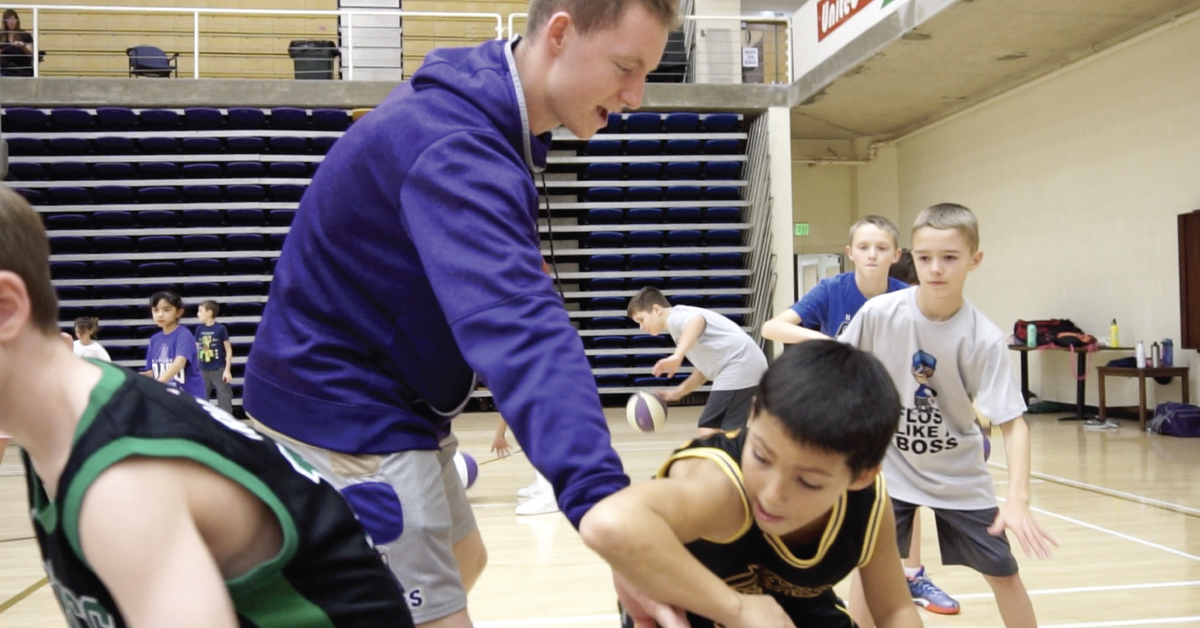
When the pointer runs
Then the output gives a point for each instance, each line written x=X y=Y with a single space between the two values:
x=171 y=356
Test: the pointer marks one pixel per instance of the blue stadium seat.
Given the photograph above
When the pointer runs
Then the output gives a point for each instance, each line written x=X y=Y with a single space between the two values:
x=67 y=244
x=721 y=147
x=597 y=148
x=682 y=170
x=202 y=218
x=603 y=240
x=722 y=214
x=242 y=309
x=605 y=284
x=288 y=169
x=111 y=145
x=70 y=119
x=723 y=193
x=203 y=289
x=684 y=261
x=245 y=242
x=637 y=283
x=606 y=303
x=644 y=239
x=113 y=219
x=607 y=322
x=60 y=222
x=201 y=242
x=115 y=312
x=692 y=300
x=28 y=172
x=722 y=170
x=113 y=170
x=203 y=266
x=245 y=218
x=145 y=290
x=25 y=120
x=646 y=341
x=683 y=215
x=321 y=145
x=68 y=270
x=246 y=288
x=644 y=194
x=602 y=172
x=25 y=146
x=603 y=195
x=645 y=261
x=158 y=120
x=643 y=123
x=644 y=216
x=202 y=146
x=289 y=118
x=643 y=170
x=604 y=262
x=159 y=169
x=72 y=293
x=651 y=382
x=157 y=269
x=34 y=197
x=614 y=124
x=646 y=361
x=683 y=237
x=281 y=217
x=684 y=283
x=681 y=123
x=201 y=171
x=246 y=169
x=69 y=146
x=605 y=216
x=721 y=123
x=114 y=268
x=246 y=119
x=290 y=145
x=246 y=265
x=612 y=381
x=682 y=147
x=643 y=147
x=200 y=194
x=69 y=171
x=69 y=196
x=203 y=119
x=719 y=261
x=68 y=314
x=113 y=244
x=246 y=193
x=719 y=301
x=277 y=240
x=287 y=193
x=723 y=237
x=158 y=145
x=157 y=218
x=158 y=194
x=117 y=118
x=677 y=193
x=246 y=145
x=724 y=282
x=608 y=361
x=330 y=119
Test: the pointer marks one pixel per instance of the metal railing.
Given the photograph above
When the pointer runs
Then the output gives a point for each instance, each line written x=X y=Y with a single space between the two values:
x=758 y=238
x=347 y=45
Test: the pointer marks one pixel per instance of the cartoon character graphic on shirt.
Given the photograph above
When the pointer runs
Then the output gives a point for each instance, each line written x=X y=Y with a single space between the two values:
x=208 y=352
x=923 y=368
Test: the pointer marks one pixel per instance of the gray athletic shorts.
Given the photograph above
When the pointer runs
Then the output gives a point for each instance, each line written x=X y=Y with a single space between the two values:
x=728 y=409
x=962 y=537
x=414 y=507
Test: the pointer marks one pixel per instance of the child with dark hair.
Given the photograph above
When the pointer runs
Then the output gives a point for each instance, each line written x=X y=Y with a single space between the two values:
x=85 y=345
x=216 y=355
x=756 y=527
x=171 y=357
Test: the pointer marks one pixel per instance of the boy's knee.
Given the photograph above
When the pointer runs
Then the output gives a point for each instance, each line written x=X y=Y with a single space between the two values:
x=1003 y=581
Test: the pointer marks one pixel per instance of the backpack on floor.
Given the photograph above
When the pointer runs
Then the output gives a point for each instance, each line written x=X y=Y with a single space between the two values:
x=1175 y=419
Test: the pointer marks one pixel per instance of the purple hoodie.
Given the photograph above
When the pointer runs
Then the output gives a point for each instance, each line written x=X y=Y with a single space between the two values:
x=413 y=263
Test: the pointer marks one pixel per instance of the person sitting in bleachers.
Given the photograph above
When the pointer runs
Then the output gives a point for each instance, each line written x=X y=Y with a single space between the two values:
x=16 y=56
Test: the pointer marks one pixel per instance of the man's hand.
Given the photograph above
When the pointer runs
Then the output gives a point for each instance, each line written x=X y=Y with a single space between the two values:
x=1015 y=516
x=668 y=365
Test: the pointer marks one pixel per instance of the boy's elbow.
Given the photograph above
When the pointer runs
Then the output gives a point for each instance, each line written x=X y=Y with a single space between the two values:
x=603 y=529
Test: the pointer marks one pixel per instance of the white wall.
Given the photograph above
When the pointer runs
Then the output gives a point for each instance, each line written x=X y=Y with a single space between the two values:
x=1077 y=181
x=718 y=43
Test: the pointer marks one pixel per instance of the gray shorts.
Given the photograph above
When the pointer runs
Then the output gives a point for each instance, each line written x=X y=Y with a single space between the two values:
x=962 y=537
x=728 y=409
x=414 y=507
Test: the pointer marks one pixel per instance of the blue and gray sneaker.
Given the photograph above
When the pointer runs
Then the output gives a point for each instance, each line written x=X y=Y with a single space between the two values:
x=929 y=596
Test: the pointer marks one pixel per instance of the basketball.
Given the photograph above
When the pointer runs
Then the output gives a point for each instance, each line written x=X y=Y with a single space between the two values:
x=645 y=411
x=468 y=469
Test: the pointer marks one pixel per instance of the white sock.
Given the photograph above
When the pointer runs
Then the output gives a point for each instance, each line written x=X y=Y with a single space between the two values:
x=911 y=572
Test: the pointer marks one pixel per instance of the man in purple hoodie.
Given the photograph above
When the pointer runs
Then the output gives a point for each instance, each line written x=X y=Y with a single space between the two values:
x=413 y=264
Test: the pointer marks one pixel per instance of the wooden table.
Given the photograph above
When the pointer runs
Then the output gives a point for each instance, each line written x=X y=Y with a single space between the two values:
x=1080 y=372
x=1141 y=375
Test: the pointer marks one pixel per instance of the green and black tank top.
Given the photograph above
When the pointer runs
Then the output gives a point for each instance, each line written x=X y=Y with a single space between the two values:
x=801 y=579
x=326 y=575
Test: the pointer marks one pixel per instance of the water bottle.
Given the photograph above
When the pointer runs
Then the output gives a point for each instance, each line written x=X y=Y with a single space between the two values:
x=1168 y=353
x=1155 y=357
x=1114 y=336
x=1031 y=335
x=1139 y=355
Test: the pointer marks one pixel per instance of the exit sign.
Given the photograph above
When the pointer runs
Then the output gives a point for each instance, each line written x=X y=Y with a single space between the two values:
x=802 y=228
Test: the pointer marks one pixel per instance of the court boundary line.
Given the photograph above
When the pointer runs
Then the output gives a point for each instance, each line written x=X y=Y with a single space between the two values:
x=30 y=590
x=1129 y=622
x=1109 y=492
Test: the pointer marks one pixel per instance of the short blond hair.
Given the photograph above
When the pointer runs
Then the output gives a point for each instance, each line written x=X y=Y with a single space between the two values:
x=950 y=216
x=877 y=221
x=594 y=15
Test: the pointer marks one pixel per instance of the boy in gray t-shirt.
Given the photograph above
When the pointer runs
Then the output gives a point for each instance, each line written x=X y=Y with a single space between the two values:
x=719 y=350
x=946 y=360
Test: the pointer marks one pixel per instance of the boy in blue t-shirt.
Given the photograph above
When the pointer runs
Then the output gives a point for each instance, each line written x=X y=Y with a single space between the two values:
x=171 y=356
x=216 y=355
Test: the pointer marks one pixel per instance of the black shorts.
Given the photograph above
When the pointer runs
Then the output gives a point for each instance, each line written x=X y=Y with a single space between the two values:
x=728 y=409
x=962 y=537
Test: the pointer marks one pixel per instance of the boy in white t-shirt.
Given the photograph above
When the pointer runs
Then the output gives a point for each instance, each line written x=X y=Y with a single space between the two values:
x=720 y=351
x=946 y=360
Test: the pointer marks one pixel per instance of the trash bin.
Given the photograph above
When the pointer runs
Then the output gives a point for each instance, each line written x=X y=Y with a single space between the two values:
x=313 y=58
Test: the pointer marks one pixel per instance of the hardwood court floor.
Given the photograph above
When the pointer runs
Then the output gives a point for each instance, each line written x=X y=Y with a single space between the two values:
x=1124 y=506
